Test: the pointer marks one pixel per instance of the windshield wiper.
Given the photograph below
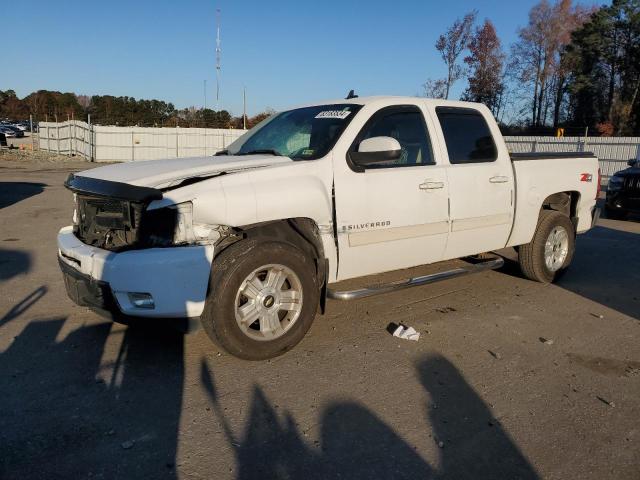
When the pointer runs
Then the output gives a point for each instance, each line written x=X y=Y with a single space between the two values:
x=221 y=152
x=268 y=151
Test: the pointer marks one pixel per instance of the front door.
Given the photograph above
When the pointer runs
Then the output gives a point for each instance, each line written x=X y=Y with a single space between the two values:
x=394 y=215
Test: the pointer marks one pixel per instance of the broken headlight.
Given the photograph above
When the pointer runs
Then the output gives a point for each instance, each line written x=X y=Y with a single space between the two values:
x=173 y=225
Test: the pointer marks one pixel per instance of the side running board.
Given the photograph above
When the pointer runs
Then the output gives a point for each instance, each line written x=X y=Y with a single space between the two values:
x=491 y=264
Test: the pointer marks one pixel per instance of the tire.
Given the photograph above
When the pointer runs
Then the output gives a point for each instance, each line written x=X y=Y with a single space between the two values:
x=237 y=274
x=615 y=214
x=532 y=257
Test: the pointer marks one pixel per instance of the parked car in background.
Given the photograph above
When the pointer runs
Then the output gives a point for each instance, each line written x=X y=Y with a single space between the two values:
x=8 y=132
x=17 y=132
x=623 y=192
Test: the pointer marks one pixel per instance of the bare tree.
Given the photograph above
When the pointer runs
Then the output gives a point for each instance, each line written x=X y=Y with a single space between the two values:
x=451 y=44
x=538 y=55
x=435 y=88
x=84 y=101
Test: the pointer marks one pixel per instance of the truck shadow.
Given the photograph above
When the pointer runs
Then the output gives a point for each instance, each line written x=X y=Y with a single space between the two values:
x=605 y=269
x=14 y=192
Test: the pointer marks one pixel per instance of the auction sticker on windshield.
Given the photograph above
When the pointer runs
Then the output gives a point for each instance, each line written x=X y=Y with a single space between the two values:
x=341 y=114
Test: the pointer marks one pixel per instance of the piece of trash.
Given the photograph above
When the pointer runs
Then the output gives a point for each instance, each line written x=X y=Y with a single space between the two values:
x=546 y=341
x=441 y=444
x=127 y=445
x=406 y=333
x=495 y=355
x=446 y=309
x=597 y=315
x=605 y=401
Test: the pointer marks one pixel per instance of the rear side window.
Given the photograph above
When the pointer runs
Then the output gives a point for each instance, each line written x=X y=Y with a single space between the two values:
x=467 y=135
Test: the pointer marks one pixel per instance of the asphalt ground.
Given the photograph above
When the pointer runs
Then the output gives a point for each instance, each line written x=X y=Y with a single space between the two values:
x=510 y=378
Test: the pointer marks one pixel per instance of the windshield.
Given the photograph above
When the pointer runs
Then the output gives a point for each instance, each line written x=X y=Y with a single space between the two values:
x=301 y=134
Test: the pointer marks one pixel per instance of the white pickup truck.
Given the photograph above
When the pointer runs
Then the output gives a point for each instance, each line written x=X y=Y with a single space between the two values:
x=251 y=240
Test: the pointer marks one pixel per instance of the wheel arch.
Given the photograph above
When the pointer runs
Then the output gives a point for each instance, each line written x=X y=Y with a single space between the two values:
x=300 y=232
x=529 y=212
x=566 y=203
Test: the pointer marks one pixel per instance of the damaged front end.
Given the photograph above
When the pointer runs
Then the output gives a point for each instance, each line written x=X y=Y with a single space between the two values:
x=115 y=216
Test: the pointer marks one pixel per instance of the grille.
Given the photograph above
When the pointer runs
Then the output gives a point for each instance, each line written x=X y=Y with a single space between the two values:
x=632 y=185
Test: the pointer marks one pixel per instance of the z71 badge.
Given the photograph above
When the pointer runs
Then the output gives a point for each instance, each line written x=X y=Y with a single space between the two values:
x=586 y=177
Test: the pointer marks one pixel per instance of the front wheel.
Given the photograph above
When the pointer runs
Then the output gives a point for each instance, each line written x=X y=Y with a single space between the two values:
x=262 y=299
x=550 y=252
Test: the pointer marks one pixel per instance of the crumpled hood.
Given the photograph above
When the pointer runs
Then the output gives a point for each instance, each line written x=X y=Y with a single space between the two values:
x=171 y=171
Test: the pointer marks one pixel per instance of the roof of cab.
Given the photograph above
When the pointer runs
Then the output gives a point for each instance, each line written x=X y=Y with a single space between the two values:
x=384 y=100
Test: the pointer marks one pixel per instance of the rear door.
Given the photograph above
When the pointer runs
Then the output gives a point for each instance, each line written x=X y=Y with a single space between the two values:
x=480 y=179
x=394 y=215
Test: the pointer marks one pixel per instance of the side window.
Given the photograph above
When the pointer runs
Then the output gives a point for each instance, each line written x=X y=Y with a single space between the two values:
x=408 y=127
x=467 y=135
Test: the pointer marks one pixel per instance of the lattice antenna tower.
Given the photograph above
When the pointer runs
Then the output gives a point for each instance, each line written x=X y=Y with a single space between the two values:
x=218 y=53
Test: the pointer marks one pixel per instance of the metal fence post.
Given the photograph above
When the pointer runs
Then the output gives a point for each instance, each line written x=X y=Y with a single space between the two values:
x=31 y=129
x=177 y=147
x=133 y=156
x=90 y=132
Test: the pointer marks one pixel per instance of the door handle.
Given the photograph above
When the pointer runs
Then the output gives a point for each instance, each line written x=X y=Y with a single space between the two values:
x=431 y=185
x=499 y=179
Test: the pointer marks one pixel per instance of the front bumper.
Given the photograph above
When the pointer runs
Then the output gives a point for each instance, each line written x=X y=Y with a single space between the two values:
x=177 y=278
x=620 y=200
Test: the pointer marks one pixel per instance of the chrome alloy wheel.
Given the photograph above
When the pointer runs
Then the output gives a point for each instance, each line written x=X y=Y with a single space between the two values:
x=268 y=302
x=556 y=248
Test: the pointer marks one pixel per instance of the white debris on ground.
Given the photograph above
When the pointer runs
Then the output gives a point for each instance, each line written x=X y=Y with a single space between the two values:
x=406 y=333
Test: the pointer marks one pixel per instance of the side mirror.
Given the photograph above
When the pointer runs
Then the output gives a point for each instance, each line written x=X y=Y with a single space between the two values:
x=376 y=150
x=632 y=162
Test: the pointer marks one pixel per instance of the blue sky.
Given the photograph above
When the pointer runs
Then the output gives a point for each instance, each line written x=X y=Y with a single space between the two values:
x=284 y=52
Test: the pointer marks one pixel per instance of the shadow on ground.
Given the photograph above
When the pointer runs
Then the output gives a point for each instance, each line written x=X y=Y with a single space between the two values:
x=605 y=270
x=356 y=443
x=13 y=263
x=14 y=192
x=70 y=414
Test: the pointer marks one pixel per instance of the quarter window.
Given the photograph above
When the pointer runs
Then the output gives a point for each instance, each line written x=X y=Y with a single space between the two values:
x=467 y=135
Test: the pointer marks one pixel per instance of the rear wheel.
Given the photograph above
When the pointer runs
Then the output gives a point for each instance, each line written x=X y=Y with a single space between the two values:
x=550 y=252
x=262 y=299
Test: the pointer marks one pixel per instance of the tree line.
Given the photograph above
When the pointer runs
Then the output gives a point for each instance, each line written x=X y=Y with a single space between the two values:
x=109 y=110
x=571 y=67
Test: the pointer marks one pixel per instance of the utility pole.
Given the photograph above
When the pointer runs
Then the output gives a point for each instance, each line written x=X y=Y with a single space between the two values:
x=244 y=108
x=218 y=52
x=205 y=94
